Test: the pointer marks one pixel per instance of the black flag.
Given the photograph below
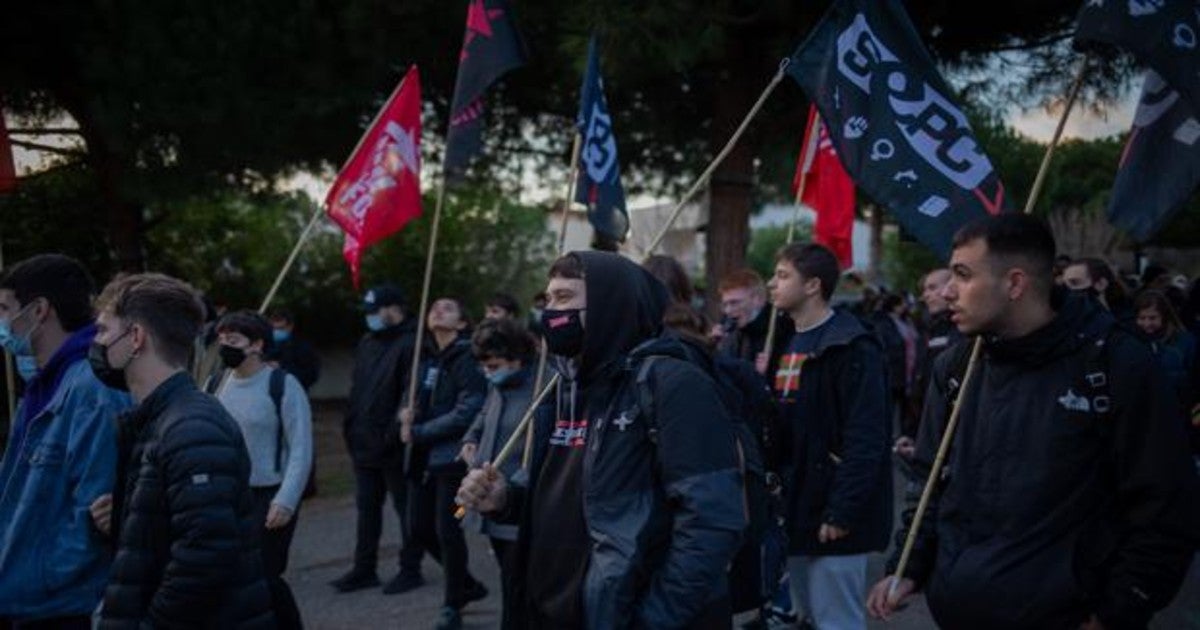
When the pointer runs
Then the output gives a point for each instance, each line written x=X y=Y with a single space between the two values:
x=1160 y=166
x=490 y=48
x=1162 y=34
x=893 y=123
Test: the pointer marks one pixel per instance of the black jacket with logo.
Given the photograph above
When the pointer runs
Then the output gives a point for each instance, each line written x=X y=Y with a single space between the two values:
x=183 y=516
x=448 y=410
x=382 y=362
x=664 y=512
x=1050 y=508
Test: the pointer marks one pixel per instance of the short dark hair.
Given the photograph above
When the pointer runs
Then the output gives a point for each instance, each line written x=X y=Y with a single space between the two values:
x=61 y=280
x=462 y=308
x=672 y=275
x=813 y=261
x=255 y=327
x=504 y=301
x=504 y=339
x=168 y=307
x=568 y=266
x=1015 y=236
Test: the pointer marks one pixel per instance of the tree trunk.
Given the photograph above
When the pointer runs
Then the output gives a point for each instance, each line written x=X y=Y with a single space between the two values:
x=124 y=222
x=875 y=266
x=731 y=191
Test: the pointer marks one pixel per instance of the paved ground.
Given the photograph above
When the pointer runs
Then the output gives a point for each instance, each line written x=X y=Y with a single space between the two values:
x=324 y=544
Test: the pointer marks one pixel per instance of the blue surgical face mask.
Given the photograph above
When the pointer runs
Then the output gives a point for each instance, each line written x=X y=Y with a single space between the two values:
x=27 y=367
x=375 y=322
x=280 y=335
x=500 y=376
x=17 y=345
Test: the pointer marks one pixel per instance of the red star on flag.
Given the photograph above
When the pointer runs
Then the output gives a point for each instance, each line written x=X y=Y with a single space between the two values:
x=479 y=22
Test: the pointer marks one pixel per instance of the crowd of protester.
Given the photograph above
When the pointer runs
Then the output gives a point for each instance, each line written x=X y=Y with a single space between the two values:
x=680 y=472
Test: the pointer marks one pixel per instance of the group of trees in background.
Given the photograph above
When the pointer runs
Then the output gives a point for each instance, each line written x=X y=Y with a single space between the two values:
x=189 y=115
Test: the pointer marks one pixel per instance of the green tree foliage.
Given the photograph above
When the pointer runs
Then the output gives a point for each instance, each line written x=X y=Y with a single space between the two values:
x=177 y=98
x=765 y=242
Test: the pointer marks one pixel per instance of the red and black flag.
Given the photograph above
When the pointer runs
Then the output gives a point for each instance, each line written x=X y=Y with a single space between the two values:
x=893 y=122
x=491 y=47
x=1160 y=166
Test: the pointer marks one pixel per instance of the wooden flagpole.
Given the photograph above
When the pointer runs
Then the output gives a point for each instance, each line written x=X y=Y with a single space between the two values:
x=972 y=365
x=573 y=174
x=808 y=153
x=704 y=177
x=420 y=314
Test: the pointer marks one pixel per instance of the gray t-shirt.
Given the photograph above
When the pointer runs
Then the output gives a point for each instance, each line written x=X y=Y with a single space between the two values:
x=248 y=400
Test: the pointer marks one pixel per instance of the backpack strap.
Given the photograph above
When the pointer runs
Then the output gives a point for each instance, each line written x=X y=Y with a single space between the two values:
x=645 y=396
x=276 y=388
x=213 y=382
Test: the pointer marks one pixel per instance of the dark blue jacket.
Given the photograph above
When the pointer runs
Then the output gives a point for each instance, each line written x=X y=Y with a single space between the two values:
x=664 y=515
x=1065 y=494
x=447 y=411
x=839 y=471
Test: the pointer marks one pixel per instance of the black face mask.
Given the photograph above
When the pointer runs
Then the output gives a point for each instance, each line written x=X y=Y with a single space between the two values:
x=105 y=372
x=564 y=331
x=232 y=357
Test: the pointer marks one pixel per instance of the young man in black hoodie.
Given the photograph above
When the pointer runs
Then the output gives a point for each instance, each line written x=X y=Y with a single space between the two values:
x=831 y=388
x=382 y=362
x=1068 y=499
x=629 y=516
x=452 y=391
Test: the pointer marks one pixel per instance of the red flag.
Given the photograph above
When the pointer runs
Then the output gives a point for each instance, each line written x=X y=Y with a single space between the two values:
x=379 y=188
x=8 y=172
x=829 y=191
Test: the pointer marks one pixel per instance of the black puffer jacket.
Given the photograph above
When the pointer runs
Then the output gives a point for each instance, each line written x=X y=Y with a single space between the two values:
x=382 y=363
x=1050 y=509
x=187 y=549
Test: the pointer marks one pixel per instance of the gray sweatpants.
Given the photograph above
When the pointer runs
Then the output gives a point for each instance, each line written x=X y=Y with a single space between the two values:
x=830 y=590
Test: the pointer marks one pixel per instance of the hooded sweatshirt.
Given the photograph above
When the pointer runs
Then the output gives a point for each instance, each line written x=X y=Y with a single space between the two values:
x=625 y=307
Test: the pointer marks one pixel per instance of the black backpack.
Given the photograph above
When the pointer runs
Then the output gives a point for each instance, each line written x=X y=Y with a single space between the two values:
x=759 y=564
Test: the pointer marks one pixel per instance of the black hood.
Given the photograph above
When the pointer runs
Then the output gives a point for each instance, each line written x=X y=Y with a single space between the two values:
x=1078 y=320
x=625 y=306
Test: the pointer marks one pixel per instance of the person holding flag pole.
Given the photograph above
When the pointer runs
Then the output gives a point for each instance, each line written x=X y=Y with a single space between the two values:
x=1072 y=501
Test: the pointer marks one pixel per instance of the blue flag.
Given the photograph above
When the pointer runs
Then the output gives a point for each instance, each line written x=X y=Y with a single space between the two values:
x=491 y=47
x=892 y=120
x=599 y=183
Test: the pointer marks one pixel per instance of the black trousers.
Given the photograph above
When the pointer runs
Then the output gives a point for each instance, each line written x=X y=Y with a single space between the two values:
x=276 y=543
x=433 y=527
x=372 y=487
x=511 y=612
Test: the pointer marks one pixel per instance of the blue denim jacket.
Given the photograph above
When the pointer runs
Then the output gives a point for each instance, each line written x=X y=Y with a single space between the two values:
x=53 y=562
